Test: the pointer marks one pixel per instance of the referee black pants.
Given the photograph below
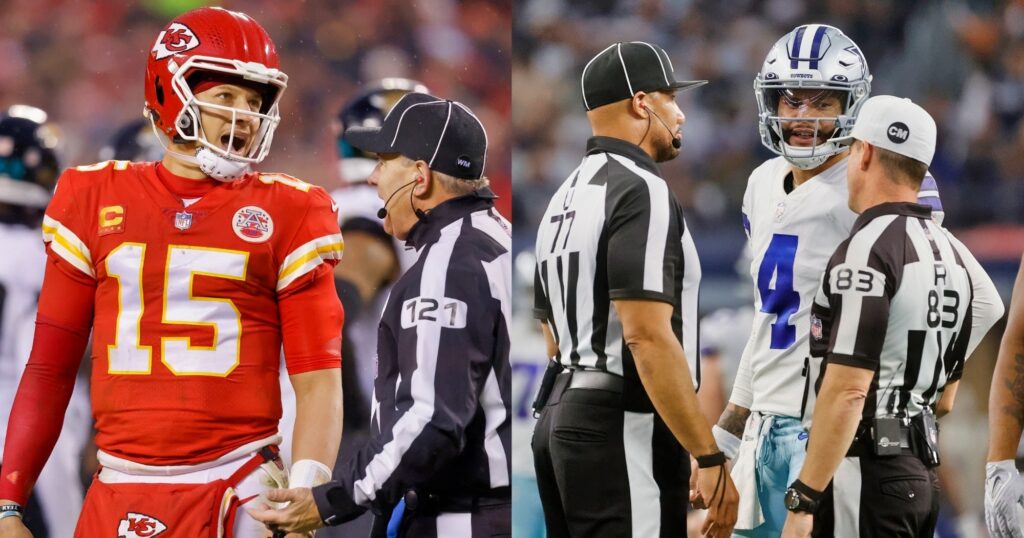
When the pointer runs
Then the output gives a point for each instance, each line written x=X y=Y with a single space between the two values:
x=603 y=471
x=892 y=497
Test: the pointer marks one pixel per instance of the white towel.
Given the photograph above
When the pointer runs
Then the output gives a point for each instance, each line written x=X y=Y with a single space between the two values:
x=744 y=474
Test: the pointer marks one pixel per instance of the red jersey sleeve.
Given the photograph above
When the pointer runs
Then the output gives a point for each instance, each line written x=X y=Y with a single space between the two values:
x=311 y=313
x=315 y=241
x=311 y=321
x=66 y=230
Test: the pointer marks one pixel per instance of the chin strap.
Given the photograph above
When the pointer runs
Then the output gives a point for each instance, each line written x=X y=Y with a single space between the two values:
x=808 y=158
x=212 y=164
x=220 y=168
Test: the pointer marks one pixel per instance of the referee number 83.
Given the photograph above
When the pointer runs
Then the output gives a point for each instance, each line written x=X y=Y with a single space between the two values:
x=949 y=313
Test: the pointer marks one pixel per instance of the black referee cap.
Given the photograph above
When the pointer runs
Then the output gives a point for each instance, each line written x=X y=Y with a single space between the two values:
x=443 y=133
x=623 y=69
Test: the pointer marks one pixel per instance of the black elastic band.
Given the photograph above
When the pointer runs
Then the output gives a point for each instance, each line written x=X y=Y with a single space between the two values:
x=807 y=491
x=711 y=460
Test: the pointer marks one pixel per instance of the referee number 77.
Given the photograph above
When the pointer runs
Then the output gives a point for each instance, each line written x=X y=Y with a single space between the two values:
x=560 y=219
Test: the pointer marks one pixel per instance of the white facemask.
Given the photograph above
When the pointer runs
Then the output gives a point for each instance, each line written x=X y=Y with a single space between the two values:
x=216 y=166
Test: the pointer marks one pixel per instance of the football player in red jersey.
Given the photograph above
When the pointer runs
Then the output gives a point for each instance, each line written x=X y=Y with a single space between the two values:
x=192 y=274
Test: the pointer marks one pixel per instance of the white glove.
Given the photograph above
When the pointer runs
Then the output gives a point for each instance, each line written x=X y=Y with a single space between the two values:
x=1004 y=500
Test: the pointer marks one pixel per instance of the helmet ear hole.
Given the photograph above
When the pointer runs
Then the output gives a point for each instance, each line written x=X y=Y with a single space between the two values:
x=185 y=126
x=159 y=91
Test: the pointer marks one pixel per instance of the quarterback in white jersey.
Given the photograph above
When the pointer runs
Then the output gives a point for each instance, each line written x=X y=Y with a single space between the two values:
x=795 y=211
x=792 y=235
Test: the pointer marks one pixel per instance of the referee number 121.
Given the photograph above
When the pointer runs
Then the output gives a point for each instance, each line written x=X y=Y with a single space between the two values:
x=446 y=312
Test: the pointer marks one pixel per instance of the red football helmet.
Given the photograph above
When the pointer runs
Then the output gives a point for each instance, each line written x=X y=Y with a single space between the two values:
x=212 y=42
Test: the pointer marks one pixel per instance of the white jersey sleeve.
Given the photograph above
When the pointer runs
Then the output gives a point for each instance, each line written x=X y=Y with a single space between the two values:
x=21 y=279
x=742 y=394
x=986 y=306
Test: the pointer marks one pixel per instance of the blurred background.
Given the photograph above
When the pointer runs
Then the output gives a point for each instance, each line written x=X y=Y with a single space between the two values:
x=962 y=60
x=83 y=63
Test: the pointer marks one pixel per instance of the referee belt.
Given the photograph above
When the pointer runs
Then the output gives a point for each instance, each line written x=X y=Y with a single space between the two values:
x=595 y=380
x=863 y=445
x=632 y=394
x=431 y=503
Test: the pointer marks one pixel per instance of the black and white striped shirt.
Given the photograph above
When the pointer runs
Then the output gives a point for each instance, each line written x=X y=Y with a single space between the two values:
x=441 y=418
x=904 y=298
x=613 y=230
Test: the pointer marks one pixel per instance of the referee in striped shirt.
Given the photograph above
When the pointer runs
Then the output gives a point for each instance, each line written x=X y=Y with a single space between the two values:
x=897 y=314
x=438 y=461
x=616 y=291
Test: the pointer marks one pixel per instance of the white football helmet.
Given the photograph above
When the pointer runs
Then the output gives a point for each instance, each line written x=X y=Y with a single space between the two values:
x=813 y=56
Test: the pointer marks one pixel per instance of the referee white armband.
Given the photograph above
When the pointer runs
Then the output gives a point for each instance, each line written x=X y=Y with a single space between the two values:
x=728 y=443
x=308 y=473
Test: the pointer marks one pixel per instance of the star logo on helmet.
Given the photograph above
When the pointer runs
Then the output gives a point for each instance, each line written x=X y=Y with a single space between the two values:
x=175 y=39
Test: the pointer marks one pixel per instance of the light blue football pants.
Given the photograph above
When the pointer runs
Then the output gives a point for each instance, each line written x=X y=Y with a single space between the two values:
x=783 y=447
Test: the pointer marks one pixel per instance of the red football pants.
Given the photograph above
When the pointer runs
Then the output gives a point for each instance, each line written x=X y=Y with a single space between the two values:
x=166 y=510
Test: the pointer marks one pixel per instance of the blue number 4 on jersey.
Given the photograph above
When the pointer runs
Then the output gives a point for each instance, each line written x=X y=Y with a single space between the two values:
x=781 y=300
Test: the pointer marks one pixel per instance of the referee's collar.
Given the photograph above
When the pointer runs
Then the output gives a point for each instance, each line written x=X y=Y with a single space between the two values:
x=908 y=209
x=429 y=227
x=607 y=144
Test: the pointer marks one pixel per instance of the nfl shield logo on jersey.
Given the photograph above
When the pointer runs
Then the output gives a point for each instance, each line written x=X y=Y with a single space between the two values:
x=183 y=220
x=139 y=526
x=780 y=210
x=816 y=327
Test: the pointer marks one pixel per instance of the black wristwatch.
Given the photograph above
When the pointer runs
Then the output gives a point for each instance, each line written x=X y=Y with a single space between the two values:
x=802 y=498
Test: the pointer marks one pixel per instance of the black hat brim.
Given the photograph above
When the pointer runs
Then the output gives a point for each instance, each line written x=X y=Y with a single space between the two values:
x=681 y=85
x=369 y=139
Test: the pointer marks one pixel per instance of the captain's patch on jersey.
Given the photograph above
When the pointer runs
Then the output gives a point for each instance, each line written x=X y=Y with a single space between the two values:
x=864 y=281
x=252 y=224
x=177 y=38
x=139 y=526
x=111 y=220
x=449 y=313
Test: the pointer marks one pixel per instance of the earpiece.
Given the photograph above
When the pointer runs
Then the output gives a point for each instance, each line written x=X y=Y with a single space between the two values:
x=676 y=142
x=383 y=212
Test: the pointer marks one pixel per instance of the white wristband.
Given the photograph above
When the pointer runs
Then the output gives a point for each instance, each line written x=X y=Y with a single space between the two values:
x=728 y=443
x=308 y=473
